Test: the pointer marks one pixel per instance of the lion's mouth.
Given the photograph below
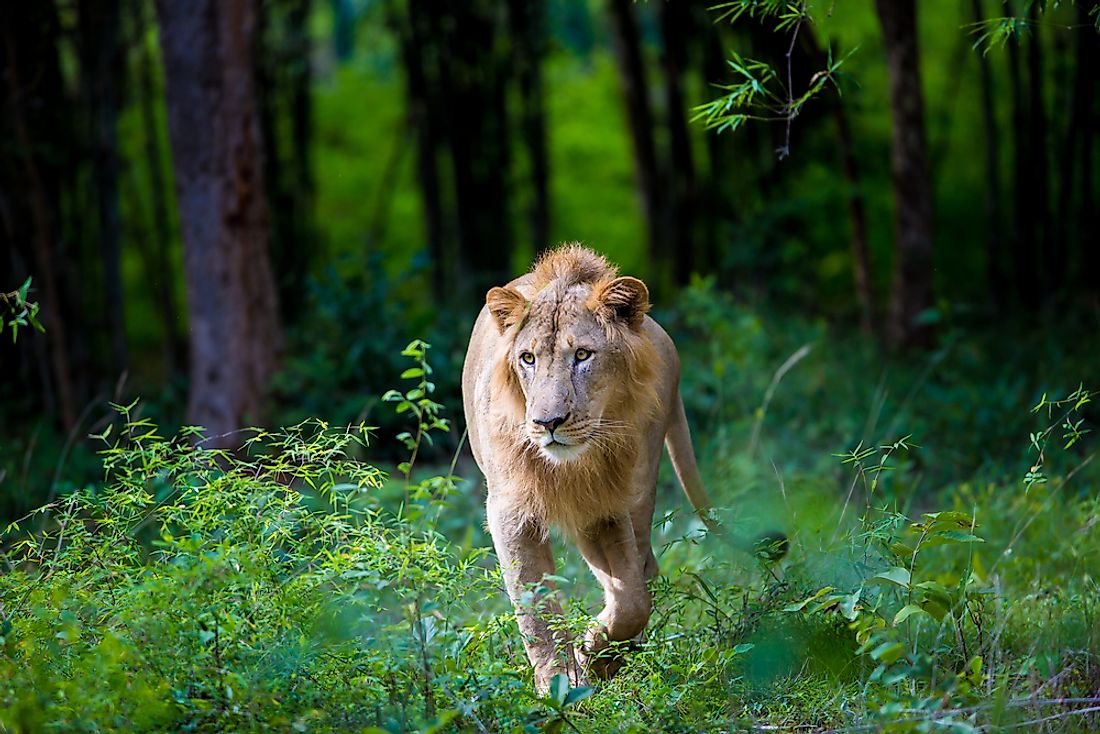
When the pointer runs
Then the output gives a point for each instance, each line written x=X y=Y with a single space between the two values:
x=560 y=449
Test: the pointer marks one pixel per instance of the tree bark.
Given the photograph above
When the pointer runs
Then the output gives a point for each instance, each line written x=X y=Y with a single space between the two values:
x=994 y=241
x=215 y=137
x=912 y=286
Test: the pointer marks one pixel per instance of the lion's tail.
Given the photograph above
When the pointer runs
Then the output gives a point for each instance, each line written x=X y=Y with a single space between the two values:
x=771 y=546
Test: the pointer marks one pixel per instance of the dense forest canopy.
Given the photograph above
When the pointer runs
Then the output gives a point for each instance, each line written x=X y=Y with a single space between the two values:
x=394 y=148
x=871 y=228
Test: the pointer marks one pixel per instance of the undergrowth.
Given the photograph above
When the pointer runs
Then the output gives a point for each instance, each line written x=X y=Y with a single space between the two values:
x=291 y=585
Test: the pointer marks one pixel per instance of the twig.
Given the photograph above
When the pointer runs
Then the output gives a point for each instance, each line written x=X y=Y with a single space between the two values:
x=784 y=368
x=791 y=111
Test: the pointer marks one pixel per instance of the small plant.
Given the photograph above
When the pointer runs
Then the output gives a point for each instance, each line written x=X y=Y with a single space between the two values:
x=18 y=312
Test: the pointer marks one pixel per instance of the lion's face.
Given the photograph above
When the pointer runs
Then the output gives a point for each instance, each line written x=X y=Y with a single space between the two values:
x=570 y=360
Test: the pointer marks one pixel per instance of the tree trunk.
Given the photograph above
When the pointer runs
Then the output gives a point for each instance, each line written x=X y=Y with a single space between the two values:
x=912 y=287
x=102 y=60
x=214 y=132
x=1049 y=250
x=473 y=76
x=528 y=19
x=994 y=241
x=1078 y=135
x=676 y=32
x=33 y=84
x=628 y=51
x=162 y=273
x=1089 y=212
x=857 y=215
x=421 y=91
x=1024 y=265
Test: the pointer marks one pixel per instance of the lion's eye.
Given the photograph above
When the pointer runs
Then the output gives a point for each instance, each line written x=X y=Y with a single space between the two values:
x=527 y=358
x=582 y=354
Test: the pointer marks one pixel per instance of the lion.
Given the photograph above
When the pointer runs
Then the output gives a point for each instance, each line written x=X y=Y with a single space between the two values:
x=569 y=390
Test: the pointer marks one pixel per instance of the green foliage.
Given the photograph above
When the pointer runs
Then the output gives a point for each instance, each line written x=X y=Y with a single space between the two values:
x=17 y=312
x=761 y=92
x=291 y=585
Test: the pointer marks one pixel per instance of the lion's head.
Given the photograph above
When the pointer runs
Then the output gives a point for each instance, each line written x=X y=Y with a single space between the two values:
x=575 y=369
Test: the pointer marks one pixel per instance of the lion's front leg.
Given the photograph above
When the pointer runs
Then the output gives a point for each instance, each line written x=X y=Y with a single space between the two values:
x=525 y=558
x=611 y=551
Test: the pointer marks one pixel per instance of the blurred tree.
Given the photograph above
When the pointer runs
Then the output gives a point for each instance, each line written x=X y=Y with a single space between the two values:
x=527 y=22
x=994 y=239
x=101 y=51
x=911 y=296
x=422 y=103
x=639 y=114
x=35 y=123
x=156 y=246
x=1037 y=186
x=459 y=70
x=213 y=124
x=857 y=215
x=283 y=79
x=677 y=32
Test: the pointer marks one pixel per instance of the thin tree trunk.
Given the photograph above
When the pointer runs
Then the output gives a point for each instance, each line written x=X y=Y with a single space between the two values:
x=102 y=53
x=474 y=73
x=719 y=191
x=912 y=287
x=857 y=215
x=994 y=241
x=162 y=272
x=38 y=201
x=214 y=131
x=416 y=45
x=1049 y=250
x=1024 y=265
x=1089 y=212
x=1078 y=135
x=676 y=32
x=628 y=50
x=528 y=18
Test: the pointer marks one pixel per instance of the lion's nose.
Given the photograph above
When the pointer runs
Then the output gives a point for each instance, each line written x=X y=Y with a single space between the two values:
x=551 y=424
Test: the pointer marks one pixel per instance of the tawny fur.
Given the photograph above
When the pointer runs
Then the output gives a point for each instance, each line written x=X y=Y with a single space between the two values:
x=596 y=486
x=593 y=475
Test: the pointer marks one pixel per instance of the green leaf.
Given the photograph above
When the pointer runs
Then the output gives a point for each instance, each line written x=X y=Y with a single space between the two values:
x=412 y=372
x=906 y=612
x=799 y=606
x=848 y=605
x=559 y=688
x=578 y=694
x=896 y=575
x=888 y=652
x=957 y=536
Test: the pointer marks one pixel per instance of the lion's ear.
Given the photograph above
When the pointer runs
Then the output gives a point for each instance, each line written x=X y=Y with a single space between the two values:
x=624 y=299
x=506 y=305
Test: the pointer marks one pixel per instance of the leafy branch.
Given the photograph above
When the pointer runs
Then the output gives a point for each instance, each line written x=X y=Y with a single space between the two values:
x=758 y=93
x=18 y=311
